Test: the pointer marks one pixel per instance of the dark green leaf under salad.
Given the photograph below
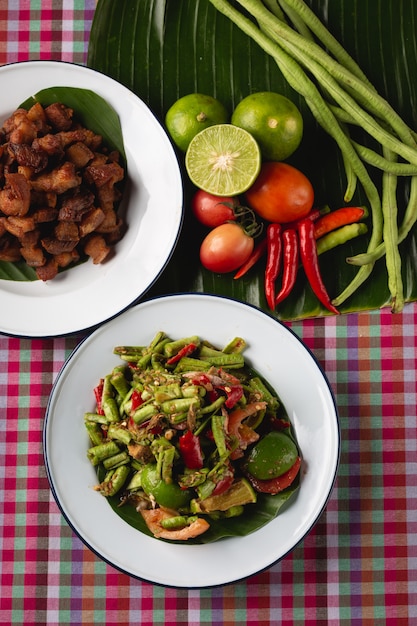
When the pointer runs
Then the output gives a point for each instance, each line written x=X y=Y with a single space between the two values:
x=190 y=443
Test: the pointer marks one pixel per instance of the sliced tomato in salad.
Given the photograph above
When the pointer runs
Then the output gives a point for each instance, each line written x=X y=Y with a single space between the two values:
x=275 y=485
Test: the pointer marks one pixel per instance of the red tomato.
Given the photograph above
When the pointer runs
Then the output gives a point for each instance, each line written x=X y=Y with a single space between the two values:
x=281 y=193
x=225 y=248
x=212 y=210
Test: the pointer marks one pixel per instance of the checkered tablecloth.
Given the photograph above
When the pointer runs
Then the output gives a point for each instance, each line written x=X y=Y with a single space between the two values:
x=358 y=565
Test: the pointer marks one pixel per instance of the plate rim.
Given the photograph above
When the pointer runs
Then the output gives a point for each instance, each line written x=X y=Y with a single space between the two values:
x=85 y=540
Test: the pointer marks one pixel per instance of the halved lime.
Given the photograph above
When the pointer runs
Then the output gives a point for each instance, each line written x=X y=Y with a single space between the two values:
x=223 y=160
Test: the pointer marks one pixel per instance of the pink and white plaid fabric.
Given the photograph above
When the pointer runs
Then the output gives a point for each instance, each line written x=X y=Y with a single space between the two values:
x=357 y=567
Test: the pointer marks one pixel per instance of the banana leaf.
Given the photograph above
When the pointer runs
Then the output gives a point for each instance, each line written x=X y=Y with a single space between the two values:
x=255 y=516
x=93 y=112
x=164 y=49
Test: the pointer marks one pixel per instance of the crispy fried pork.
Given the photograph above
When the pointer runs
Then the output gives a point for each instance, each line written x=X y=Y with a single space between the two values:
x=59 y=187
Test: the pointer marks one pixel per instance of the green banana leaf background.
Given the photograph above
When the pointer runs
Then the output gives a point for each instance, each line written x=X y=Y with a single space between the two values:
x=164 y=49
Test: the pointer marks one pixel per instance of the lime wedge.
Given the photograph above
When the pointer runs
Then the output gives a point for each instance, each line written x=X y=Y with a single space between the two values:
x=223 y=160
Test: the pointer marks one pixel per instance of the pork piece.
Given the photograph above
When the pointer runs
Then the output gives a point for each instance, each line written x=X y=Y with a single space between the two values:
x=109 y=222
x=33 y=255
x=96 y=248
x=30 y=238
x=79 y=154
x=67 y=258
x=91 y=221
x=59 y=116
x=26 y=156
x=117 y=233
x=56 y=246
x=59 y=180
x=43 y=199
x=50 y=144
x=106 y=173
x=74 y=205
x=15 y=196
x=18 y=226
x=48 y=271
x=27 y=172
x=9 y=249
x=104 y=177
x=108 y=195
x=67 y=231
x=44 y=215
x=99 y=159
x=86 y=136
x=12 y=122
x=37 y=116
x=19 y=128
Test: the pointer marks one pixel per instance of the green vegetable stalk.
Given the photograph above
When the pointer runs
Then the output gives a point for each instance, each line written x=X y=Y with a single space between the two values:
x=338 y=94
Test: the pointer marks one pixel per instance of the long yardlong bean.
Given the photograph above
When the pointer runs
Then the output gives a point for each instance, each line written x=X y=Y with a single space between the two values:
x=410 y=219
x=358 y=103
x=390 y=212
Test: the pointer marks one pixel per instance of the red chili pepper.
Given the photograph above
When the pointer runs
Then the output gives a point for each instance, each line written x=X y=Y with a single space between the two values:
x=257 y=253
x=275 y=485
x=341 y=217
x=277 y=423
x=313 y=216
x=209 y=434
x=185 y=351
x=202 y=379
x=212 y=395
x=233 y=393
x=274 y=252
x=98 y=394
x=244 y=434
x=224 y=483
x=290 y=263
x=136 y=400
x=309 y=258
x=190 y=449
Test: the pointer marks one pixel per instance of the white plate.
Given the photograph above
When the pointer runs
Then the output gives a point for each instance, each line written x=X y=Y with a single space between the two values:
x=277 y=354
x=87 y=295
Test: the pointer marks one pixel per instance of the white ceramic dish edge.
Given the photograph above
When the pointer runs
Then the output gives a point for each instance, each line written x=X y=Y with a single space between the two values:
x=279 y=355
x=87 y=295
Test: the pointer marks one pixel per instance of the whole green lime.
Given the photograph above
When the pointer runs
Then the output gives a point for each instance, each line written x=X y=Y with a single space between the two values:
x=272 y=456
x=191 y=114
x=166 y=494
x=274 y=121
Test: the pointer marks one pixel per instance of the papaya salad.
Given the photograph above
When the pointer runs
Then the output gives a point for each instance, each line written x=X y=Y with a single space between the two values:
x=189 y=435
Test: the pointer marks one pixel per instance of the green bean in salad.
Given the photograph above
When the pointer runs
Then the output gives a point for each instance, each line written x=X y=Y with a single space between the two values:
x=187 y=434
